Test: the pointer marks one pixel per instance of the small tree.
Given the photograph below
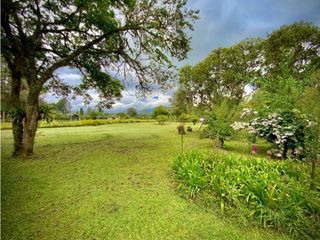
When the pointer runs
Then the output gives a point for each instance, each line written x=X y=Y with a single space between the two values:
x=122 y=115
x=184 y=117
x=144 y=114
x=194 y=119
x=160 y=110
x=132 y=112
x=162 y=119
x=219 y=123
x=81 y=112
x=63 y=105
x=181 y=102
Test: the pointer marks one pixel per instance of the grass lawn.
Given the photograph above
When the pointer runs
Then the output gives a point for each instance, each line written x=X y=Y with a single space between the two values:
x=106 y=182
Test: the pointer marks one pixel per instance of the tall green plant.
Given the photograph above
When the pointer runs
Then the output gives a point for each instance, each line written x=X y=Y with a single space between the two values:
x=219 y=123
x=271 y=194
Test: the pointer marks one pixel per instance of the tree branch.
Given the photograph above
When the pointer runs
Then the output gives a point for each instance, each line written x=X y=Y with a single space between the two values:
x=48 y=73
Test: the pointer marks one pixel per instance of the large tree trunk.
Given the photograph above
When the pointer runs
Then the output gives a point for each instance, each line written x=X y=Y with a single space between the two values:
x=31 y=121
x=17 y=123
x=17 y=130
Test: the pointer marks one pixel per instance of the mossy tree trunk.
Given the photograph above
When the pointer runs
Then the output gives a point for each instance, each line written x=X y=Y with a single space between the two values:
x=17 y=123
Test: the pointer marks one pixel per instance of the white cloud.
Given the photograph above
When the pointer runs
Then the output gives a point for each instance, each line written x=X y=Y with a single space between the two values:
x=72 y=79
x=129 y=99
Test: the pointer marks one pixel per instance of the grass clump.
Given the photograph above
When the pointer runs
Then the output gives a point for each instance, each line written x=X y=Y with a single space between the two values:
x=271 y=194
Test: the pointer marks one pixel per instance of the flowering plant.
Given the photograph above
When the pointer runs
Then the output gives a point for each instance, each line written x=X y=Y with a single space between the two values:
x=284 y=129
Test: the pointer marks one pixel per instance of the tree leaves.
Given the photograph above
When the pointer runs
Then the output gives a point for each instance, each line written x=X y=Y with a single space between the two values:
x=132 y=37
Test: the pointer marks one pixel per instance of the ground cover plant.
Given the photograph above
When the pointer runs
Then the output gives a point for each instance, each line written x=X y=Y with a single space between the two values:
x=269 y=193
x=107 y=182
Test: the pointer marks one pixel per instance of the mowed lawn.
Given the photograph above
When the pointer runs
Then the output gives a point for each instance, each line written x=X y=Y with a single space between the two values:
x=106 y=182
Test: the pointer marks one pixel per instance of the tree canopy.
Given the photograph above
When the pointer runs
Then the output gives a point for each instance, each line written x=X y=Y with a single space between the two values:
x=96 y=37
x=222 y=75
x=290 y=51
x=38 y=37
x=132 y=112
x=160 y=110
x=296 y=45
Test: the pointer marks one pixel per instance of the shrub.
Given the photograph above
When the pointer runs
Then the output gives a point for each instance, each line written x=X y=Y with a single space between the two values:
x=194 y=119
x=162 y=119
x=272 y=194
x=189 y=129
x=219 y=123
x=122 y=115
x=87 y=122
x=184 y=117
x=160 y=110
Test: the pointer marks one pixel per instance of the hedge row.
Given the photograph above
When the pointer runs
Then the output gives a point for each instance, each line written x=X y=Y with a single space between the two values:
x=96 y=122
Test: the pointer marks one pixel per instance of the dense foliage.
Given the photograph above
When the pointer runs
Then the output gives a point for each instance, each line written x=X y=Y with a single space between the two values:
x=221 y=76
x=286 y=56
x=219 y=123
x=285 y=130
x=272 y=194
x=160 y=110
x=98 y=38
x=181 y=102
x=132 y=112
x=162 y=119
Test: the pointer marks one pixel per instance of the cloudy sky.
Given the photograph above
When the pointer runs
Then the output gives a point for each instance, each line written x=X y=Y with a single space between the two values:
x=222 y=23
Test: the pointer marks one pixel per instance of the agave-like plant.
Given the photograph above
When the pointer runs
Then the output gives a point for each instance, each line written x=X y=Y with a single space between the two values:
x=47 y=113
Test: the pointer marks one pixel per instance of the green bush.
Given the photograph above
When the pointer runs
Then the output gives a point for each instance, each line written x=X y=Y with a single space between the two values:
x=272 y=194
x=162 y=119
x=160 y=110
x=184 y=117
x=219 y=123
x=194 y=119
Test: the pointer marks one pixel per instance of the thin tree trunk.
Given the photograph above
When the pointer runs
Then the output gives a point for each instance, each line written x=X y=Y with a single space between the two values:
x=285 y=151
x=17 y=130
x=221 y=140
x=17 y=123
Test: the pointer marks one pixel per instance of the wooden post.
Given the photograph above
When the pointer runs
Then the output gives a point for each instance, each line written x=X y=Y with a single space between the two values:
x=181 y=132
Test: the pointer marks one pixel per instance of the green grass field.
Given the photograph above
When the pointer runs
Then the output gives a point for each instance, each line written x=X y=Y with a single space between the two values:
x=107 y=182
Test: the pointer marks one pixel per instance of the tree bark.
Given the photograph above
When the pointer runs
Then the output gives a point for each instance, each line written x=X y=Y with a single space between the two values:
x=17 y=123
x=31 y=121
x=17 y=129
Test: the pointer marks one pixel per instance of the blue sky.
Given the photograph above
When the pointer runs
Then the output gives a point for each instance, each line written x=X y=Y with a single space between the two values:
x=222 y=23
